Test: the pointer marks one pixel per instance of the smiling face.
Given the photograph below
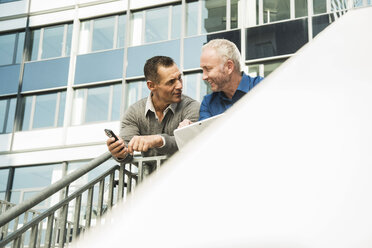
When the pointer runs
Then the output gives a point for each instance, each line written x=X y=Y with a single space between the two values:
x=215 y=71
x=168 y=89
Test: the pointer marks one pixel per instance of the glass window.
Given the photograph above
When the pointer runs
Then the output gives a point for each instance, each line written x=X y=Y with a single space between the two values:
x=7 y=44
x=52 y=42
x=195 y=87
x=121 y=31
x=136 y=28
x=103 y=33
x=213 y=15
x=21 y=43
x=276 y=10
x=84 y=37
x=4 y=173
x=97 y=104
x=34 y=178
x=45 y=106
x=276 y=39
x=234 y=14
x=264 y=69
x=7 y=112
x=41 y=111
x=176 y=21
x=300 y=8
x=156 y=26
x=321 y=22
x=136 y=90
x=192 y=18
x=320 y=6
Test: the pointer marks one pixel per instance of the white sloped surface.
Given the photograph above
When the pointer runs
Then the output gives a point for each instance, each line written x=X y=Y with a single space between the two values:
x=290 y=165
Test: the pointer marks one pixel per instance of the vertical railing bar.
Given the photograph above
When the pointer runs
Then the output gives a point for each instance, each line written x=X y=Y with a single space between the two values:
x=55 y=231
x=75 y=231
x=49 y=231
x=111 y=190
x=24 y=222
x=121 y=182
x=140 y=171
x=62 y=225
x=17 y=242
x=16 y=221
x=68 y=235
x=129 y=181
x=100 y=198
x=33 y=236
x=40 y=232
x=89 y=207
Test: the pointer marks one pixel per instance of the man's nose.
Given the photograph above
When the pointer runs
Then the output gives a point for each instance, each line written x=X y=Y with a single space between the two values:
x=179 y=84
x=205 y=76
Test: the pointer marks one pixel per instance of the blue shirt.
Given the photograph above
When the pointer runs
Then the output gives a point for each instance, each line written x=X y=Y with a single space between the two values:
x=216 y=103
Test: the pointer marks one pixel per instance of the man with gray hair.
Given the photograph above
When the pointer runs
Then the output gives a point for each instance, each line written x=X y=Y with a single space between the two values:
x=220 y=61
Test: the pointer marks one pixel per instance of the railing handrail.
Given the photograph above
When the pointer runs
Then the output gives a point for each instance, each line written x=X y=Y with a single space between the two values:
x=52 y=209
x=55 y=187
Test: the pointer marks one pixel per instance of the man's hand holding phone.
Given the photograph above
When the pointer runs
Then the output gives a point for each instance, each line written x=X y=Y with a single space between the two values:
x=116 y=145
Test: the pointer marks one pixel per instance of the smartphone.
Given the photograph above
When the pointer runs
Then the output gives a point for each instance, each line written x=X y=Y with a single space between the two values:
x=111 y=134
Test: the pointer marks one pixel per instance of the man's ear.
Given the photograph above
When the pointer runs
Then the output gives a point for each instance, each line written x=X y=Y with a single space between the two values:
x=230 y=66
x=150 y=85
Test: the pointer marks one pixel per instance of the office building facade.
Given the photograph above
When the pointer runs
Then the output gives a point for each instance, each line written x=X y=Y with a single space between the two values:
x=69 y=69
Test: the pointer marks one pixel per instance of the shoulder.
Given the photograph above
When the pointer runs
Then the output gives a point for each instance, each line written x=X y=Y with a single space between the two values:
x=137 y=107
x=207 y=99
x=188 y=101
x=252 y=79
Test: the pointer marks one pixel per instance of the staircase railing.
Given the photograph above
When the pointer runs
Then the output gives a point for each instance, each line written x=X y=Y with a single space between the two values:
x=77 y=211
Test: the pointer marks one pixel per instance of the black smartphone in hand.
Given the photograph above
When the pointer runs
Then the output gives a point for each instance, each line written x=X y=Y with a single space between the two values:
x=111 y=134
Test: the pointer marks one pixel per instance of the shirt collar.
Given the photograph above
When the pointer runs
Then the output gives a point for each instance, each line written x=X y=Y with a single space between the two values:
x=244 y=83
x=150 y=107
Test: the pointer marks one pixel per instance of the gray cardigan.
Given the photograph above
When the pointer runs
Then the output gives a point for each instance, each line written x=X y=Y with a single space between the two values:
x=137 y=122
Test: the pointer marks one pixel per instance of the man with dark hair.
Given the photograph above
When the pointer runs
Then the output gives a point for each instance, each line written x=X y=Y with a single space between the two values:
x=148 y=124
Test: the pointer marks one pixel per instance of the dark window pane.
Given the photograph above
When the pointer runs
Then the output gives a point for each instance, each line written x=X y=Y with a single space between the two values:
x=156 y=24
x=300 y=8
x=103 y=33
x=320 y=6
x=116 y=102
x=276 y=39
x=45 y=109
x=52 y=42
x=321 y=22
x=276 y=10
x=213 y=15
x=7 y=44
x=191 y=18
x=97 y=104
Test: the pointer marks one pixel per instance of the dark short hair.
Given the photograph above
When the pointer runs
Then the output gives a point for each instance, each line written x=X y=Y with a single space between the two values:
x=151 y=67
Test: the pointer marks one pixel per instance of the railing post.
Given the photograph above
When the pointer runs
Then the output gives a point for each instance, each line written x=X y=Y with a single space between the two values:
x=49 y=231
x=121 y=181
x=75 y=231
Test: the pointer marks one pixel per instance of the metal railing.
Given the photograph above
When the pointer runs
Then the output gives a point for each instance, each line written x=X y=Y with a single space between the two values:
x=77 y=211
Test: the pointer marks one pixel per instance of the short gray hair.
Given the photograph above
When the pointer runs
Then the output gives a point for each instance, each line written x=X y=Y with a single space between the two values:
x=226 y=49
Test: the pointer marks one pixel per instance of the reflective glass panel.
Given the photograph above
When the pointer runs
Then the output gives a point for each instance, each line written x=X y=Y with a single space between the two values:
x=35 y=38
x=97 y=104
x=276 y=39
x=254 y=70
x=156 y=24
x=103 y=33
x=121 y=31
x=21 y=42
x=84 y=37
x=234 y=14
x=27 y=105
x=269 y=67
x=321 y=22
x=300 y=8
x=190 y=85
x=68 y=40
x=205 y=88
x=61 y=111
x=11 y=115
x=320 y=6
x=3 y=107
x=213 y=15
x=116 y=102
x=45 y=109
x=133 y=92
x=36 y=176
x=3 y=179
x=276 y=10
x=77 y=111
x=192 y=18
x=52 y=42
x=136 y=28
x=7 y=44
x=176 y=21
